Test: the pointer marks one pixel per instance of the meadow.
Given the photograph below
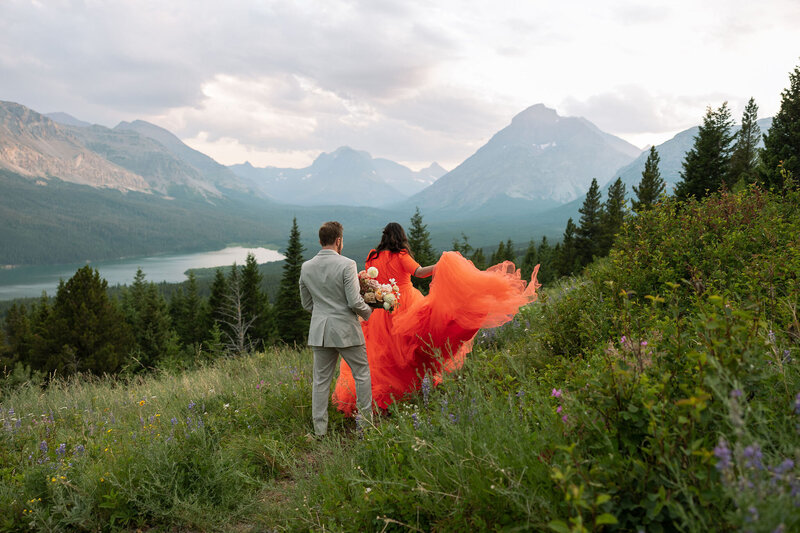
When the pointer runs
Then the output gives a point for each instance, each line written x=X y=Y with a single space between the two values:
x=657 y=391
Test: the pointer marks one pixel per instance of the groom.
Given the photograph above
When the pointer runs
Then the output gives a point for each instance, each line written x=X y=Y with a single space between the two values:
x=329 y=289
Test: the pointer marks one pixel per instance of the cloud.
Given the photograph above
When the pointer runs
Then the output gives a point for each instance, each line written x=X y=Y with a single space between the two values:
x=631 y=109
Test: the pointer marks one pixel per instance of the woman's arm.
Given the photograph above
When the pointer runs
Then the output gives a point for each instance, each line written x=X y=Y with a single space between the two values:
x=424 y=272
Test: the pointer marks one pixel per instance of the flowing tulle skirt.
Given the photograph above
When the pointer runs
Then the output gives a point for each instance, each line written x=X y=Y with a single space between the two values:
x=434 y=333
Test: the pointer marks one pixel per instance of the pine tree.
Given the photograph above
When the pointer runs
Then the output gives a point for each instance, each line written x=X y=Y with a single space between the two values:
x=530 y=260
x=194 y=315
x=216 y=300
x=782 y=141
x=19 y=336
x=147 y=313
x=478 y=259
x=88 y=331
x=566 y=261
x=291 y=320
x=652 y=186
x=419 y=239
x=463 y=247
x=589 y=232
x=744 y=158
x=255 y=303
x=706 y=164
x=499 y=255
x=547 y=271
x=613 y=216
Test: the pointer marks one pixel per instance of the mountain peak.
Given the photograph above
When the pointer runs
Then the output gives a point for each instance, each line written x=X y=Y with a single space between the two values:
x=538 y=113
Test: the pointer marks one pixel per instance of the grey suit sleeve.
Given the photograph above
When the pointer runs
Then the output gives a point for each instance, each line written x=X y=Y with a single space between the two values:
x=305 y=297
x=351 y=289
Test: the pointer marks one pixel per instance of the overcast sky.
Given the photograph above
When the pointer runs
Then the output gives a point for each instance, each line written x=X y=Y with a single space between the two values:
x=276 y=83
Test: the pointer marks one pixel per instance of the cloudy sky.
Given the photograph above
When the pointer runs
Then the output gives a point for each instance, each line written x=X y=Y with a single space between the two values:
x=276 y=83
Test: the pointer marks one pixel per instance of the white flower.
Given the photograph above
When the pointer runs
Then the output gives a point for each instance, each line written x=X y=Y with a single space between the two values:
x=387 y=306
x=372 y=272
x=389 y=299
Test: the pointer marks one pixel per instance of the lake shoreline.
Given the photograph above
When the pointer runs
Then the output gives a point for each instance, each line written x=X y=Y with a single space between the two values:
x=27 y=281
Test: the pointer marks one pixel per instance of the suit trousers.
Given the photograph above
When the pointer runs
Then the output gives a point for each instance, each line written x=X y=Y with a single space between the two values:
x=325 y=359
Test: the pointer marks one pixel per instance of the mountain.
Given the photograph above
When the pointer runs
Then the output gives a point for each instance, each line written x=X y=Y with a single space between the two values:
x=135 y=156
x=35 y=146
x=343 y=177
x=538 y=161
x=219 y=175
x=67 y=120
x=671 y=154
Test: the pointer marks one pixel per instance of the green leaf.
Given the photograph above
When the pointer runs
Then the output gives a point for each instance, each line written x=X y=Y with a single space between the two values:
x=601 y=499
x=605 y=518
x=558 y=525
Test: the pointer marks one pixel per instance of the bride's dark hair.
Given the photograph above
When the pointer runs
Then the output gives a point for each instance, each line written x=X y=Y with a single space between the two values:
x=393 y=239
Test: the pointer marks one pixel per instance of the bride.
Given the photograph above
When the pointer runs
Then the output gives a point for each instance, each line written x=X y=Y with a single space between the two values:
x=429 y=334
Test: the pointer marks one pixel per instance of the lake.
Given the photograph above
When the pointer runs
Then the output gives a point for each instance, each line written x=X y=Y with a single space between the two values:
x=30 y=281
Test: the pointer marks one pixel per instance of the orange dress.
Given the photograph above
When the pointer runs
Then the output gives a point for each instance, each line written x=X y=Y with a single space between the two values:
x=433 y=333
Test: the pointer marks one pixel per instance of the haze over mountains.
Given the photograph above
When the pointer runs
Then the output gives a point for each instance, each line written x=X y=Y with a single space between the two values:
x=524 y=182
x=343 y=177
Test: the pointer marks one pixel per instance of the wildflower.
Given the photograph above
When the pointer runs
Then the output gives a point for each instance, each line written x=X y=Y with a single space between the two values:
x=520 y=393
x=771 y=336
x=79 y=449
x=784 y=467
x=62 y=449
x=43 y=446
x=556 y=393
x=426 y=388
x=753 y=514
x=559 y=409
x=797 y=404
x=752 y=456
x=141 y=403
x=736 y=393
x=191 y=405
x=623 y=339
x=723 y=455
x=174 y=421
x=564 y=418
x=415 y=420
x=226 y=405
x=643 y=343
x=453 y=418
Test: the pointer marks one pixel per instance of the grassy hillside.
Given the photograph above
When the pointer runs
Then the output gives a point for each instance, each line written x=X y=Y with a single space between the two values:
x=659 y=391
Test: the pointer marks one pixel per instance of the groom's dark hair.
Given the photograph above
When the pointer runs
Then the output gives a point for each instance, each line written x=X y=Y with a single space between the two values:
x=329 y=232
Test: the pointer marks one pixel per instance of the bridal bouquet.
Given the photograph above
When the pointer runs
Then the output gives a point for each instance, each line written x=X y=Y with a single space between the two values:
x=377 y=294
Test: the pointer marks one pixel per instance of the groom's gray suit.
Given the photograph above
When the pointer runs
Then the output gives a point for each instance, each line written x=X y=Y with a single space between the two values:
x=329 y=289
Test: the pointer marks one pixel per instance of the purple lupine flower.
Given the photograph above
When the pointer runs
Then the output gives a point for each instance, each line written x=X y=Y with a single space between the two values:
x=174 y=421
x=62 y=449
x=426 y=388
x=736 y=393
x=787 y=358
x=784 y=467
x=415 y=420
x=771 y=336
x=43 y=446
x=797 y=404
x=520 y=393
x=752 y=455
x=453 y=418
x=556 y=393
x=753 y=514
x=79 y=449
x=191 y=405
x=723 y=455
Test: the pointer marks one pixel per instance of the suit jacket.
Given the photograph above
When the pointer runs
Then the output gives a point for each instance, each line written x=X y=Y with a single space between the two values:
x=329 y=289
